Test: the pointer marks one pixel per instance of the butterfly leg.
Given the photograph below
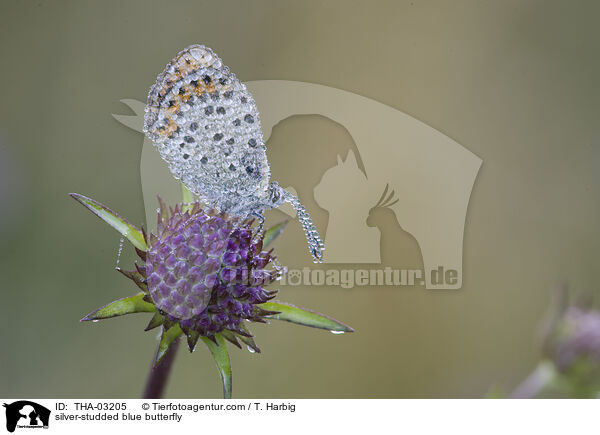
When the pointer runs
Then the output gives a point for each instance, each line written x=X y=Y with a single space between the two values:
x=261 y=222
x=315 y=244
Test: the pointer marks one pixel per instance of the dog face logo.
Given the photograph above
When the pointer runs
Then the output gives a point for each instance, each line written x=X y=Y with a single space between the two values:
x=24 y=413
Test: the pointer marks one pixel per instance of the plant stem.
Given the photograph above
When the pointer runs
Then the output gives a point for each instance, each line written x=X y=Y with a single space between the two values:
x=158 y=376
x=539 y=379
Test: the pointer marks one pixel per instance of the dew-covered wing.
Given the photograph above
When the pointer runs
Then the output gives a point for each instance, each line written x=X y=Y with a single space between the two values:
x=206 y=126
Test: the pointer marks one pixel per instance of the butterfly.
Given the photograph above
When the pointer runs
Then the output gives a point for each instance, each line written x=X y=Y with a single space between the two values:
x=206 y=126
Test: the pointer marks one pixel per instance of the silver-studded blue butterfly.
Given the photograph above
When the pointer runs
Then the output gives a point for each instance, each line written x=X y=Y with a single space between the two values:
x=206 y=126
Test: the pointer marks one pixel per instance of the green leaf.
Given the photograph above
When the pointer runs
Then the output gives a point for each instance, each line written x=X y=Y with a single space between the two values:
x=155 y=322
x=221 y=356
x=120 y=307
x=272 y=233
x=302 y=316
x=167 y=338
x=136 y=277
x=192 y=339
x=127 y=230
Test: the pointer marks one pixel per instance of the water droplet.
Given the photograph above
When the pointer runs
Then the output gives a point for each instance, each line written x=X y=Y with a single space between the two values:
x=250 y=349
x=337 y=332
x=95 y=321
x=120 y=250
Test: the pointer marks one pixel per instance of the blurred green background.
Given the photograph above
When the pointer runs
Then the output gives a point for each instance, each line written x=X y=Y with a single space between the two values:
x=515 y=82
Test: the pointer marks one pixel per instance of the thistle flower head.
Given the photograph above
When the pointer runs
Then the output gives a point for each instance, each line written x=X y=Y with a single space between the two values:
x=576 y=339
x=572 y=345
x=207 y=271
x=204 y=274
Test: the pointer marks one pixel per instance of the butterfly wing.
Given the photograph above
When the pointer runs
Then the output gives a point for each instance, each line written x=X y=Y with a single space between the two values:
x=206 y=126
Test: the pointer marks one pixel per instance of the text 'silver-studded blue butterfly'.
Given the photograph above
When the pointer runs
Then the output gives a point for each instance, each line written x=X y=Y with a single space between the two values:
x=206 y=126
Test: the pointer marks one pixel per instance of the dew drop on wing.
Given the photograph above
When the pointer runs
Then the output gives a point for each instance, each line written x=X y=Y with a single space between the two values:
x=337 y=332
x=250 y=349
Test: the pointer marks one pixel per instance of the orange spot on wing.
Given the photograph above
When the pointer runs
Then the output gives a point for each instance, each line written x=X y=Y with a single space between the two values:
x=174 y=108
x=169 y=129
